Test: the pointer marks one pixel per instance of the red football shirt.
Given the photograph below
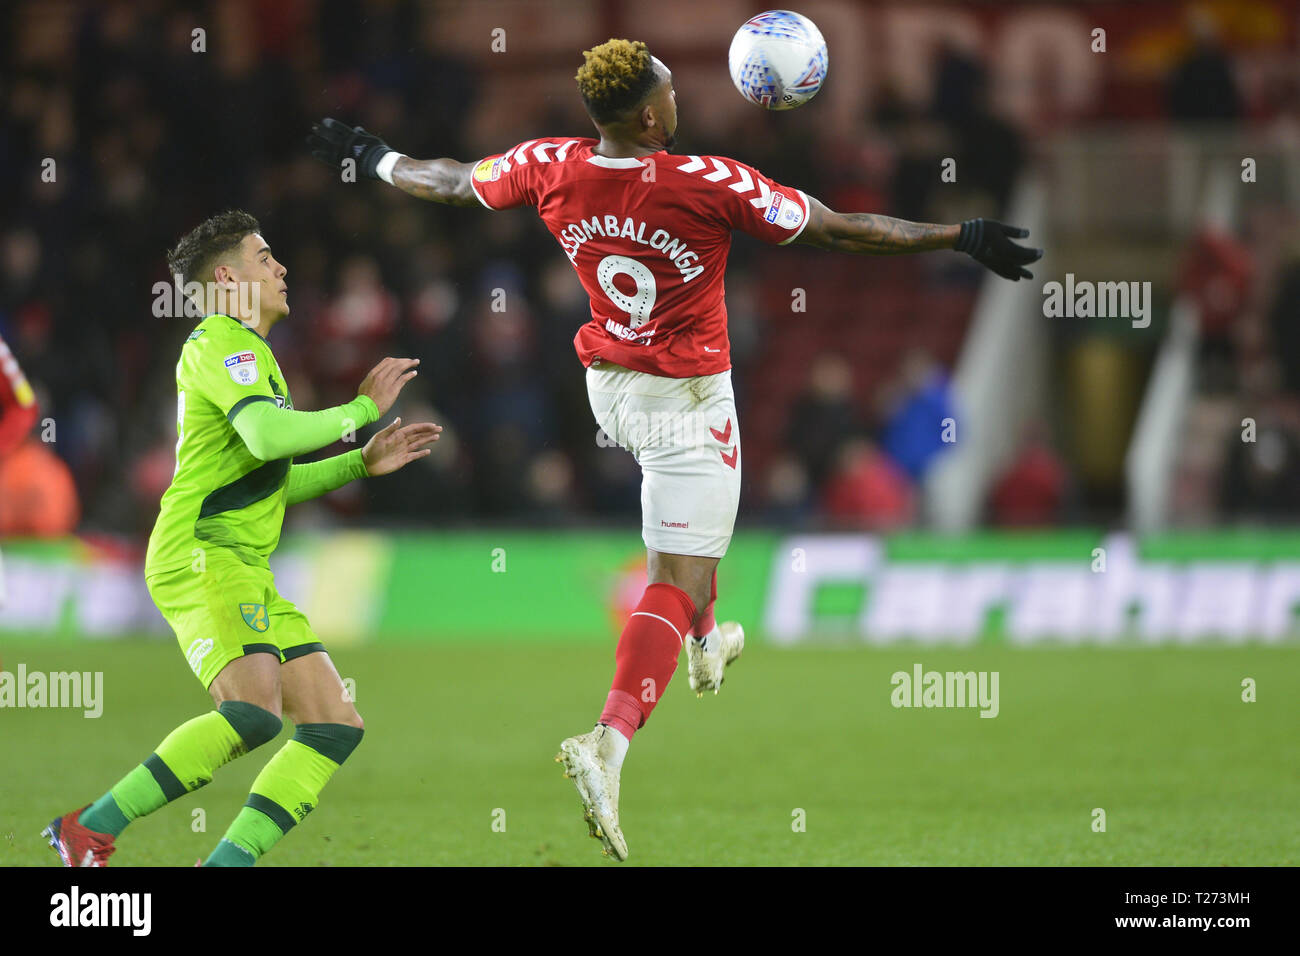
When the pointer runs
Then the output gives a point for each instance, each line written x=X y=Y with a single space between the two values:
x=649 y=238
x=17 y=402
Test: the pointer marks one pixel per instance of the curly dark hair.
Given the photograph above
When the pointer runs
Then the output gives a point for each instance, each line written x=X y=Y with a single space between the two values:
x=614 y=78
x=195 y=256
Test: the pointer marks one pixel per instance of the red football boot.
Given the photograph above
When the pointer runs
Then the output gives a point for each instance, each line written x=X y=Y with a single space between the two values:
x=76 y=845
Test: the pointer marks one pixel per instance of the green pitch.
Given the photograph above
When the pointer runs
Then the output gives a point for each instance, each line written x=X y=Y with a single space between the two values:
x=460 y=740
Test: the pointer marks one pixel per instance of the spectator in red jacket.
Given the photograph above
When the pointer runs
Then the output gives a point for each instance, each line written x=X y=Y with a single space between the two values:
x=868 y=490
x=1032 y=491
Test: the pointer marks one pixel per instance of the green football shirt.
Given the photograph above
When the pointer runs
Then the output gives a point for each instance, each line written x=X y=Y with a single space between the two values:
x=221 y=495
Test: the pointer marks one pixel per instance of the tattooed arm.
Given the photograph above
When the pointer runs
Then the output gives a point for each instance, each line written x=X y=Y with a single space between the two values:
x=869 y=234
x=438 y=180
x=987 y=241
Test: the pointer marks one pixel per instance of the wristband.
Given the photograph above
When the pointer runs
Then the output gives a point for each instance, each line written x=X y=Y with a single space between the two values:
x=384 y=169
x=970 y=236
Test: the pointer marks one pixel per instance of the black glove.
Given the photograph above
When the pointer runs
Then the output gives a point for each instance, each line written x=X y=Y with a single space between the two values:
x=331 y=142
x=988 y=242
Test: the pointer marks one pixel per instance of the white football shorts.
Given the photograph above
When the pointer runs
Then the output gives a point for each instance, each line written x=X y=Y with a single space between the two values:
x=684 y=435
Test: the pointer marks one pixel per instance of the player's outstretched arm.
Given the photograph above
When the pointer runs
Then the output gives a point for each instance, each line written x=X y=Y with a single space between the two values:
x=272 y=433
x=388 y=450
x=985 y=240
x=438 y=180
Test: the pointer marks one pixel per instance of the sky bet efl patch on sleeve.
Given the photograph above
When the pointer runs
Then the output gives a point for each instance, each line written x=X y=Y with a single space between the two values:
x=791 y=215
x=242 y=367
x=775 y=208
x=488 y=171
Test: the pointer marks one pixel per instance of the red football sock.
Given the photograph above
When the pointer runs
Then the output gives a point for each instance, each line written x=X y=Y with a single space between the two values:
x=705 y=622
x=647 y=656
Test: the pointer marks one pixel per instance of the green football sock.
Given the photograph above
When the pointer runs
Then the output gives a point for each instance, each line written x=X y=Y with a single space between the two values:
x=183 y=762
x=227 y=854
x=288 y=788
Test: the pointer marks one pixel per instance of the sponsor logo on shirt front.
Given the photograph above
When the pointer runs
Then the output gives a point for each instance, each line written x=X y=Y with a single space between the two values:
x=631 y=336
x=242 y=367
x=775 y=208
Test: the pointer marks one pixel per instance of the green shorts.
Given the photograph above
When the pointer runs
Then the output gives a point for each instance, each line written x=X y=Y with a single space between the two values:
x=227 y=610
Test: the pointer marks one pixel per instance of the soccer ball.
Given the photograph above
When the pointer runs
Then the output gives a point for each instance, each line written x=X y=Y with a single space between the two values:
x=778 y=60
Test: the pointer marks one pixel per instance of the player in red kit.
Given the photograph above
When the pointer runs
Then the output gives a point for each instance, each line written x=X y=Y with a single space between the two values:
x=17 y=402
x=17 y=416
x=648 y=232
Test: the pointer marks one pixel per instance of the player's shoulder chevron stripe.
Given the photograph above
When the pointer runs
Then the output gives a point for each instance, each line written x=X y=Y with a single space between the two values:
x=518 y=155
x=744 y=183
x=720 y=170
x=509 y=155
x=540 y=151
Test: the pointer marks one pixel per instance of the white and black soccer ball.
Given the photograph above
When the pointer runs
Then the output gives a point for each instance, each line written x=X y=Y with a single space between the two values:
x=778 y=60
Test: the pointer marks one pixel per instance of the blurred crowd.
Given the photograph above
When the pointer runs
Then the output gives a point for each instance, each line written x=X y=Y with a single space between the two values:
x=147 y=138
x=139 y=139
x=1240 y=459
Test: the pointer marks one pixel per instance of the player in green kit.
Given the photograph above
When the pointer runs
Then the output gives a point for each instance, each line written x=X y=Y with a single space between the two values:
x=207 y=568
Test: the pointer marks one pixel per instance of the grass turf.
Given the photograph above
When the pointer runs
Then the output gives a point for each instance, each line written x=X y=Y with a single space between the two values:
x=460 y=738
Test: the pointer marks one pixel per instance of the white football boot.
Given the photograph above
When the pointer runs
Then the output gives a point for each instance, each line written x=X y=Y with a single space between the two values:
x=707 y=659
x=586 y=763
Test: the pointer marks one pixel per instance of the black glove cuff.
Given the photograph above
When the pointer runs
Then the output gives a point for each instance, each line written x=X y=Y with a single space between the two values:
x=370 y=160
x=970 y=237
